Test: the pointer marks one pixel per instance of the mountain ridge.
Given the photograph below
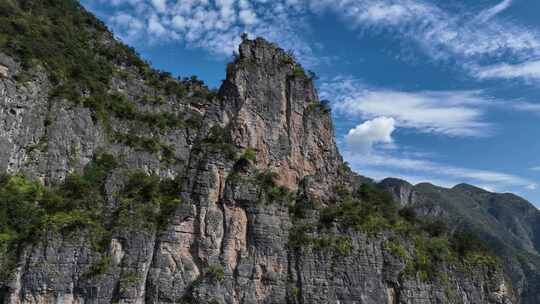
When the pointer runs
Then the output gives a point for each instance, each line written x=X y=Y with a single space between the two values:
x=505 y=221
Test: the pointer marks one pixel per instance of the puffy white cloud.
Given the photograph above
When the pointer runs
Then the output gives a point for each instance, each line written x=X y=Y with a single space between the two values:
x=248 y=17
x=213 y=25
x=364 y=136
x=179 y=22
x=160 y=5
x=155 y=27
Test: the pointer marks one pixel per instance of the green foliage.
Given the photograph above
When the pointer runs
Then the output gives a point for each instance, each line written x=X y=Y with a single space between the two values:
x=299 y=236
x=28 y=209
x=371 y=210
x=81 y=57
x=128 y=280
x=428 y=254
x=299 y=72
x=215 y=273
x=465 y=242
x=267 y=181
x=146 y=202
x=99 y=268
x=323 y=106
x=395 y=247
x=219 y=140
x=151 y=145
x=296 y=292
x=18 y=214
x=338 y=244
x=368 y=209
x=122 y=108
x=61 y=36
x=250 y=155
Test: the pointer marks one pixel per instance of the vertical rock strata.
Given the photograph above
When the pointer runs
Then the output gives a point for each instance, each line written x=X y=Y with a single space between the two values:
x=227 y=242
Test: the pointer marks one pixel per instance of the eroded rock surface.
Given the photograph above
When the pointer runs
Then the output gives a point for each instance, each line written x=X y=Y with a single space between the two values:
x=229 y=240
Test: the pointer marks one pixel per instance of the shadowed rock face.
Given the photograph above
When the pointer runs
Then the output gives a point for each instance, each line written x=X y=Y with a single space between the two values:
x=228 y=241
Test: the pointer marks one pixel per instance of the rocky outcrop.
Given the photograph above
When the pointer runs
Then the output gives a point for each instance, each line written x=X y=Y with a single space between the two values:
x=244 y=159
x=273 y=107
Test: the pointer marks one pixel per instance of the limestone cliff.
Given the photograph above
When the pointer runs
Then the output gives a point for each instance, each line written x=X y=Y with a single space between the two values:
x=157 y=190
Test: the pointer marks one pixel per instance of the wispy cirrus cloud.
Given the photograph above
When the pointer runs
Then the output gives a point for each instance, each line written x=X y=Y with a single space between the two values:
x=440 y=33
x=451 y=113
x=528 y=70
x=467 y=37
x=489 y=13
x=384 y=163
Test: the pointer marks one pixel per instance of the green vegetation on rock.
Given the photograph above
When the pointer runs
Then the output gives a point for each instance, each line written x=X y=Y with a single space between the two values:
x=146 y=202
x=425 y=246
x=28 y=210
x=215 y=273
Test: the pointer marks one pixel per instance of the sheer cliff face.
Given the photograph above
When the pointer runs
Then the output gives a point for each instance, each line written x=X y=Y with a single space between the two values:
x=277 y=112
x=229 y=241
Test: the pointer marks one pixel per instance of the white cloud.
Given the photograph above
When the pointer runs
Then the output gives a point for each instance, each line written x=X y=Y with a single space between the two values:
x=493 y=11
x=452 y=113
x=466 y=37
x=248 y=17
x=155 y=27
x=160 y=5
x=179 y=22
x=526 y=106
x=531 y=187
x=437 y=31
x=535 y=168
x=212 y=25
x=364 y=136
x=529 y=70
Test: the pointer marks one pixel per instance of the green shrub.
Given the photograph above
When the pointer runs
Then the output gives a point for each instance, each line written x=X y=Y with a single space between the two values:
x=215 y=273
x=299 y=72
x=250 y=155
x=396 y=248
x=298 y=236
x=100 y=267
x=146 y=202
x=341 y=245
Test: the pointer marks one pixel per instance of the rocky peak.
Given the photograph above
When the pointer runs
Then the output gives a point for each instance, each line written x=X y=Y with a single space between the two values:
x=402 y=191
x=272 y=106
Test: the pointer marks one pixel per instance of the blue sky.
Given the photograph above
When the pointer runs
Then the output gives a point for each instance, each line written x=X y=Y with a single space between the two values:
x=438 y=91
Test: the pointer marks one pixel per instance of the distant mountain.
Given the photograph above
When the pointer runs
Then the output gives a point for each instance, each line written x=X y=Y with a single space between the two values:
x=509 y=224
